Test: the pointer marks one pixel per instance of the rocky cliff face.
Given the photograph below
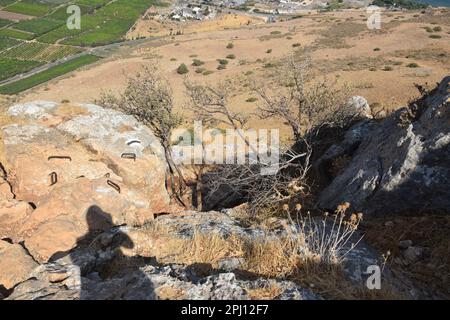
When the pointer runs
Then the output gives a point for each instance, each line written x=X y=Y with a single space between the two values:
x=63 y=161
x=80 y=187
x=398 y=164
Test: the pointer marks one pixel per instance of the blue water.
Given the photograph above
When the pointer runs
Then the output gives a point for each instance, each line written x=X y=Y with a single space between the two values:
x=437 y=3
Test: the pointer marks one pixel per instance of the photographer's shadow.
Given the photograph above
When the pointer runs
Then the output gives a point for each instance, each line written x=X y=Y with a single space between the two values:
x=118 y=278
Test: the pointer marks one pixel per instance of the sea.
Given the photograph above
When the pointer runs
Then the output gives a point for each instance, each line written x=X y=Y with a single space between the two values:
x=437 y=3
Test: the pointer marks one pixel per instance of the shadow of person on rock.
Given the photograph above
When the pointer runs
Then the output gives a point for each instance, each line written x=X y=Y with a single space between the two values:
x=105 y=272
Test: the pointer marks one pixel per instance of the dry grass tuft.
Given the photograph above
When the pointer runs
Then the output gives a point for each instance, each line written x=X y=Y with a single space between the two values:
x=207 y=248
x=274 y=257
x=304 y=255
x=268 y=292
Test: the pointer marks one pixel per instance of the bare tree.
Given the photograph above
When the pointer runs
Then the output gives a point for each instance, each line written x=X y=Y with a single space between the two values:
x=149 y=99
x=211 y=106
x=262 y=191
x=305 y=103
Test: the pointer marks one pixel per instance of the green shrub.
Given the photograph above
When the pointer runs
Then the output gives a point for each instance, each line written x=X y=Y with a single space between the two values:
x=269 y=51
x=435 y=36
x=437 y=29
x=295 y=45
x=182 y=69
x=197 y=62
x=388 y=68
x=251 y=99
x=412 y=65
x=223 y=61
x=199 y=70
x=230 y=46
x=173 y=59
x=221 y=67
x=373 y=69
x=207 y=72
x=376 y=49
x=231 y=56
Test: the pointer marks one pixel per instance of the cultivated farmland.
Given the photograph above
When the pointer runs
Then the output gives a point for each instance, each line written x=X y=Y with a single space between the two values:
x=41 y=52
x=41 y=35
x=47 y=75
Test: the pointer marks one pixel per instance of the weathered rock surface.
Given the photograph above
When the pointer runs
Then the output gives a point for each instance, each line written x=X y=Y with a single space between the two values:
x=68 y=159
x=100 y=270
x=123 y=263
x=399 y=164
x=360 y=108
x=152 y=282
x=15 y=264
x=13 y=213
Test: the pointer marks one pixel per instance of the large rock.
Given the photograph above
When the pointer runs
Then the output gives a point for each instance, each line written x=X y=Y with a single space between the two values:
x=13 y=214
x=66 y=160
x=399 y=164
x=15 y=264
x=359 y=107
x=102 y=270
x=172 y=282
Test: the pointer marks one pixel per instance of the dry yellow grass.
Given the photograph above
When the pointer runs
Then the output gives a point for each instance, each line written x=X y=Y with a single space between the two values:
x=275 y=257
x=268 y=292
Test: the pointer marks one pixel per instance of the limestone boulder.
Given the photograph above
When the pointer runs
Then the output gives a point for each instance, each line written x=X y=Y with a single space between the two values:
x=399 y=164
x=16 y=265
x=13 y=213
x=67 y=161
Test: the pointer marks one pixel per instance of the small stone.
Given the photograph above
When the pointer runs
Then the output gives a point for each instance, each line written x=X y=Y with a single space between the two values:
x=412 y=254
x=230 y=264
x=389 y=224
x=405 y=244
x=55 y=277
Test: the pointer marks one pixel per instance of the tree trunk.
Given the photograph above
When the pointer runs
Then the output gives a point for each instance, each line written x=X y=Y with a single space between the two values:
x=175 y=175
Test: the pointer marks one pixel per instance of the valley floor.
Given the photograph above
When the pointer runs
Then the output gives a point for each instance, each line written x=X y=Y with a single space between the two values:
x=381 y=65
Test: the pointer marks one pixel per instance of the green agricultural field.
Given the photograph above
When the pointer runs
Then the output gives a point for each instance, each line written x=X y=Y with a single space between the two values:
x=38 y=26
x=47 y=75
x=102 y=22
x=106 y=25
x=16 y=34
x=4 y=3
x=11 y=67
x=4 y=23
x=41 y=52
x=29 y=7
x=6 y=43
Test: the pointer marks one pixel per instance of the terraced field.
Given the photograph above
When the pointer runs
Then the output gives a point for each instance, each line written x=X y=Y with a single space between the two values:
x=102 y=21
x=41 y=35
x=41 y=52
x=47 y=75
x=30 y=7
x=11 y=67
x=6 y=43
